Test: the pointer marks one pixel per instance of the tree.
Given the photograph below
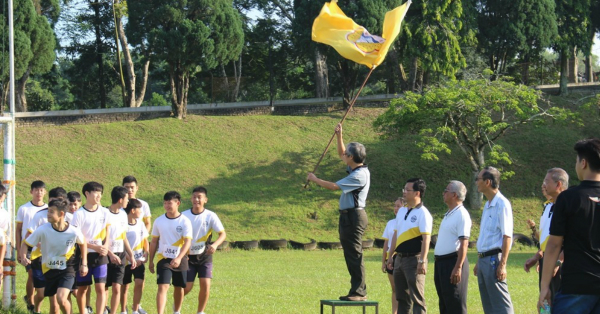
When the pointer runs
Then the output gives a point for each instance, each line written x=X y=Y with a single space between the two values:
x=523 y=27
x=472 y=114
x=573 y=19
x=34 y=49
x=190 y=35
x=430 y=38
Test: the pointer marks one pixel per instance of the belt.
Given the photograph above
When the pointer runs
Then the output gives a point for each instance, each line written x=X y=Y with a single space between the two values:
x=345 y=211
x=405 y=254
x=446 y=256
x=489 y=253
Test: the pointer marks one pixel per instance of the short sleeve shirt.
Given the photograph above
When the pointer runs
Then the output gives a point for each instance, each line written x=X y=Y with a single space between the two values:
x=25 y=214
x=411 y=225
x=92 y=225
x=137 y=234
x=355 y=188
x=496 y=222
x=4 y=219
x=145 y=209
x=545 y=225
x=40 y=218
x=117 y=231
x=456 y=225
x=388 y=233
x=203 y=225
x=576 y=218
x=171 y=233
x=58 y=247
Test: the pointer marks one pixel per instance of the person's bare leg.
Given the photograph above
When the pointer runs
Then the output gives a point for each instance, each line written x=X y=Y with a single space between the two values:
x=100 y=297
x=37 y=300
x=116 y=297
x=394 y=301
x=62 y=299
x=204 y=294
x=177 y=298
x=29 y=288
x=81 y=299
x=161 y=298
x=124 y=291
x=138 y=291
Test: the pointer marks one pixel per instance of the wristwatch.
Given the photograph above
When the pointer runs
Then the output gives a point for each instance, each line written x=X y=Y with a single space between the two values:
x=421 y=261
x=559 y=263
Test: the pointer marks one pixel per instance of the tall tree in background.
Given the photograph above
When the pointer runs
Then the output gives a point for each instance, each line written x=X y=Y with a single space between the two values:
x=133 y=96
x=305 y=13
x=192 y=35
x=34 y=44
x=573 y=26
x=431 y=38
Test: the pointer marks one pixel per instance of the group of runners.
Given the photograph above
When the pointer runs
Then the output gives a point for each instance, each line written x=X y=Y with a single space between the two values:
x=70 y=248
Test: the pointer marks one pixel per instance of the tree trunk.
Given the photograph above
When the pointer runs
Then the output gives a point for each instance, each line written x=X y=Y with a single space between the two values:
x=412 y=77
x=20 y=88
x=237 y=72
x=344 y=68
x=525 y=70
x=142 y=92
x=99 y=51
x=225 y=81
x=130 y=99
x=392 y=71
x=589 y=72
x=179 y=80
x=321 y=75
x=271 y=78
x=573 y=77
x=474 y=196
x=564 y=74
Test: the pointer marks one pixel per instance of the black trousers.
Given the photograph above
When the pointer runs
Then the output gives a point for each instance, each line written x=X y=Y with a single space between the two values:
x=554 y=283
x=453 y=298
x=352 y=227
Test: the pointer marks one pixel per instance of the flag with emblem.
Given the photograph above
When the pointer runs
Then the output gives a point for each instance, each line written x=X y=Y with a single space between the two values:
x=352 y=41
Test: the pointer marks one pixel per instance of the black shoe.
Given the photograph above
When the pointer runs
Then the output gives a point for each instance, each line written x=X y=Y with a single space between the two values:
x=344 y=297
x=354 y=297
x=89 y=309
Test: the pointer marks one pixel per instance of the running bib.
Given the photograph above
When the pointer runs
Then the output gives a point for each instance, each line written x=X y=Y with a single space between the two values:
x=171 y=251
x=95 y=242
x=57 y=262
x=197 y=248
x=117 y=246
x=139 y=256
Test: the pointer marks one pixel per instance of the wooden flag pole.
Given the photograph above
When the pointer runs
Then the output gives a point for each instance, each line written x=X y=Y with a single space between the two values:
x=341 y=122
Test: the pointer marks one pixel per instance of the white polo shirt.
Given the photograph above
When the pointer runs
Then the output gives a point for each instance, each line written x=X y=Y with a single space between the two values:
x=203 y=225
x=171 y=233
x=93 y=225
x=58 y=247
x=496 y=222
x=25 y=214
x=411 y=224
x=388 y=233
x=117 y=230
x=545 y=221
x=455 y=225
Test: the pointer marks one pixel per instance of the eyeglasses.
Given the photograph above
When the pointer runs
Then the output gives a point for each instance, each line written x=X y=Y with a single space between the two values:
x=405 y=190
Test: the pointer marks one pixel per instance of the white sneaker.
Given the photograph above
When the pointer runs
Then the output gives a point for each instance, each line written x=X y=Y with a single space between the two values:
x=176 y=312
x=141 y=310
x=123 y=312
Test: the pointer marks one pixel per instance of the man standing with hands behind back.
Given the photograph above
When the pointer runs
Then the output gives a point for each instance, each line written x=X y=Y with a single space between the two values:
x=353 y=218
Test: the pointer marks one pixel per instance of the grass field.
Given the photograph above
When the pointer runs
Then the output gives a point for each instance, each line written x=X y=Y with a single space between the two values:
x=292 y=281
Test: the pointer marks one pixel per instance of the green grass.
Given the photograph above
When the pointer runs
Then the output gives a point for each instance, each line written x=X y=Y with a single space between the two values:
x=291 y=281
x=255 y=166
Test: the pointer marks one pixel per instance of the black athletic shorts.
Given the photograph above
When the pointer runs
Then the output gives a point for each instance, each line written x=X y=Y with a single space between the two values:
x=164 y=273
x=137 y=273
x=115 y=273
x=39 y=281
x=200 y=265
x=56 y=279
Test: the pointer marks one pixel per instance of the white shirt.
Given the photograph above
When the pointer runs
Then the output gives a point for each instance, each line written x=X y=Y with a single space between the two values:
x=388 y=233
x=455 y=225
x=203 y=225
x=92 y=224
x=25 y=213
x=117 y=231
x=171 y=233
x=496 y=222
x=58 y=247
x=545 y=221
x=146 y=213
x=40 y=218
x=137 y=234
x=4 y=219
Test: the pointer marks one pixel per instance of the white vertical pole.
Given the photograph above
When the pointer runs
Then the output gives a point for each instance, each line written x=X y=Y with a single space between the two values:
x=9 y=293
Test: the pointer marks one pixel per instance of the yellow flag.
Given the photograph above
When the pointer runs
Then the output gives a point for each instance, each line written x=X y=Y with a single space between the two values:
x=352 y=41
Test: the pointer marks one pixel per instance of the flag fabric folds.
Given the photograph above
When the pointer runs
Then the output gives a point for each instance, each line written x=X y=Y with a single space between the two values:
x=352 y=41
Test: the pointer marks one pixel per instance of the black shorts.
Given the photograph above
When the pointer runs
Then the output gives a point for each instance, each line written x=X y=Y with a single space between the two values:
x=94 y=259
x=39 y=281
x=199 y=265
x=138 y=273
x=164 y=273
x=56 y=279
x=115 y=273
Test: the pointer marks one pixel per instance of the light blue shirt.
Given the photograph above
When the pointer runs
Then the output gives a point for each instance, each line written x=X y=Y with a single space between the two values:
x=355 y=188
x=496 y=222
